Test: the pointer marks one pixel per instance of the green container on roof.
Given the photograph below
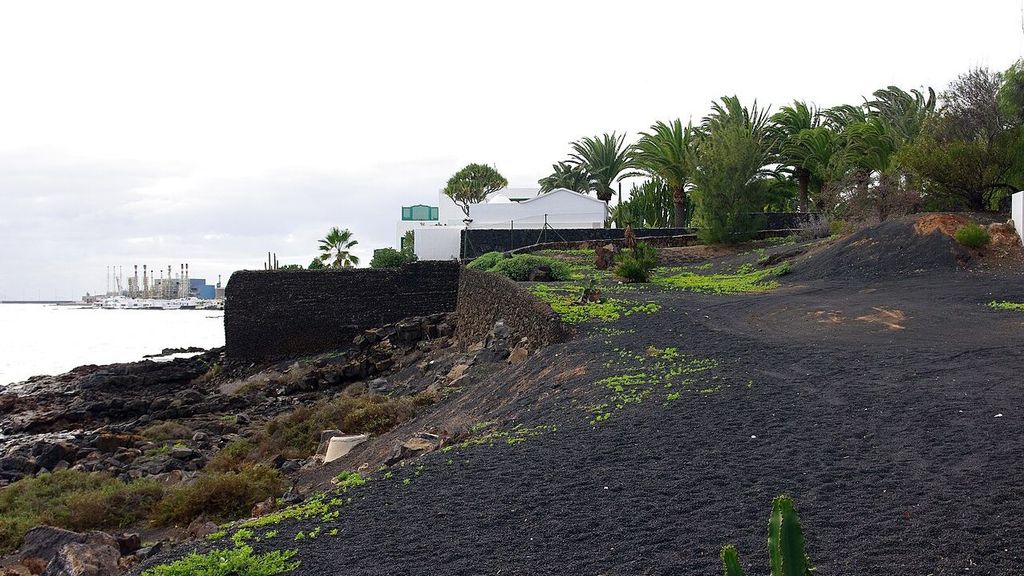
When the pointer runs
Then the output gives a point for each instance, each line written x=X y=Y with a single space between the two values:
x=419 y=212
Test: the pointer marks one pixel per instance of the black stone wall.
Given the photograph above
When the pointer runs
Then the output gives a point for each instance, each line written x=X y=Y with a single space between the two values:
x=282 y=313
x=485 y=298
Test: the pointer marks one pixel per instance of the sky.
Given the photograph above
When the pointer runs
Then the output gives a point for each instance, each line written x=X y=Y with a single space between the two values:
x=214 y=132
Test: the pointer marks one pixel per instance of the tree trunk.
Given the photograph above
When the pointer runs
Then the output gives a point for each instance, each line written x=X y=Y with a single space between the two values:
x=803 y=179
x=679 y=207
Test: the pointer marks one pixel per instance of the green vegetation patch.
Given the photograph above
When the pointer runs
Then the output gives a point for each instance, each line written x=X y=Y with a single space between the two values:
x=73 y=500
x=641 y=374
x=347 y=479
x=744 y=281
x=518 y=267
x=230 y=562
x=973 y=236
x=564 y=300
x=1004 y=305
x=219 y=495
x=296 y=434
x=323 y=505
x=516 y=435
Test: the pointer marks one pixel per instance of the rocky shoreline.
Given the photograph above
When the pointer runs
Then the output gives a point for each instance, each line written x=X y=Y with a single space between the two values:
x=165 y=421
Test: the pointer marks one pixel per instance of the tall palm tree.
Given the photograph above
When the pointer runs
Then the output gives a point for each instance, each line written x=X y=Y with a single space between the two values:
x=605 y=158
x=730 y=112
x=566 y=175
x=663 y=153
x=787 y=125
x=817 y=150
x=335 y=247
x=904 y=112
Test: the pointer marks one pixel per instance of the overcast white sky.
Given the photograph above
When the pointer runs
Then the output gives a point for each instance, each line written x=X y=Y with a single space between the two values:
x=211 y=132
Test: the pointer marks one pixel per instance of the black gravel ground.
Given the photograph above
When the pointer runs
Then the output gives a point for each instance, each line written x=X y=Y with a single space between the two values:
x=890 y=410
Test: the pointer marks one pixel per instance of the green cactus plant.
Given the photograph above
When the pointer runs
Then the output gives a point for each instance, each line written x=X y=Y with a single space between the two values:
x=785 y=544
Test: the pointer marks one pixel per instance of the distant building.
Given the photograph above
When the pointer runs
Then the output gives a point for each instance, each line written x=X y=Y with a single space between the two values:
x=200 y=289
x=437 y=231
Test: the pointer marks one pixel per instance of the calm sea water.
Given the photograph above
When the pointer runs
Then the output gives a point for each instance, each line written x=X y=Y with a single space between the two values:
x=40 y=339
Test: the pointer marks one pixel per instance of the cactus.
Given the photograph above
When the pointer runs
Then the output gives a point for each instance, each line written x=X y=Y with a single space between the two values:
x=785 y=544
x=731 y=561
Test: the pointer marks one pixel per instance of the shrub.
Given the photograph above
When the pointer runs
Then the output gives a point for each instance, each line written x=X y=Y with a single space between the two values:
x=73 y=500
x=230 y=562
x=519 y=267
x=219 y=496
x=297 y=433
x=632 y=270
x=973 y=236
x=636 y=265
x=486 y=261
x=232 y=457
x=390 y=258
x=839 y=228
x=164 y=431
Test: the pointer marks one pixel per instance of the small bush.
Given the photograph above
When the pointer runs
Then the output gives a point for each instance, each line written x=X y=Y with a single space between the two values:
x=296 y=434
x=231 y=562
x=973 y=236
x=232 y=457
x=219 y=496
x=486 y=261
x=164 y=431
x=839 y=228
x=519 y=267
x=73 y=500
x=636 y=265
x=390 y=258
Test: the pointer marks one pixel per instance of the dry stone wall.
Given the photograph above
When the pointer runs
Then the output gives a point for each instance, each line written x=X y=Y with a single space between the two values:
x=282 y=313
x=485 y=298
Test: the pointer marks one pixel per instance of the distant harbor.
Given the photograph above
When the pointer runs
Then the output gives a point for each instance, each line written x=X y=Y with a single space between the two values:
x=148 y=292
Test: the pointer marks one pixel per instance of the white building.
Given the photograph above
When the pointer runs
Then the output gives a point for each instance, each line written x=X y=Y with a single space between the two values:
x=438 y=230
x=1017 y=213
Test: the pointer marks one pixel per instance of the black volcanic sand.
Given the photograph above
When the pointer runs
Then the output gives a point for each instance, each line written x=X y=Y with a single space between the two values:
x=899 y=432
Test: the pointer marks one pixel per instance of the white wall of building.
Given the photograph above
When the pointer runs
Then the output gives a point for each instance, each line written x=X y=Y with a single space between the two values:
x=1017 y=213
x=437 y=242
x=560 y=208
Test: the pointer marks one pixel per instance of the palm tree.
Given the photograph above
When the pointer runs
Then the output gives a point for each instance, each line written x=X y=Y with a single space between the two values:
x=730 y=112
x=605 y=158
x=817 y=150
x=335 y=247
x=904 y=112
x=787 y=125
x=663 y=153
x=566 y=175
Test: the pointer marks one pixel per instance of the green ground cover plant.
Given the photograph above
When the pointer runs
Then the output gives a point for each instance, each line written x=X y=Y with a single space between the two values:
x=564 y=300
x=323 y=505
x=1004 y=305
x=741 y=282
x=516 y=435
x=237 y=561
x=973 y=236
x=640 y=374
x=73 y=500
x=347 y=479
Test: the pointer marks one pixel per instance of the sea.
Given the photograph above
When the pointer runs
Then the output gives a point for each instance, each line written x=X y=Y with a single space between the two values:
x=40 y=339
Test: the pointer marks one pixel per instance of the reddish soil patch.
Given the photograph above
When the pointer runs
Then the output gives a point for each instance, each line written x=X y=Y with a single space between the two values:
x=948 y=224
